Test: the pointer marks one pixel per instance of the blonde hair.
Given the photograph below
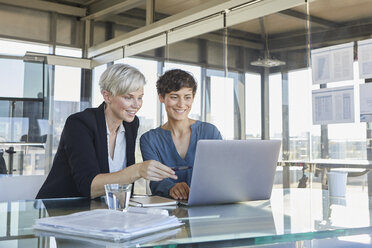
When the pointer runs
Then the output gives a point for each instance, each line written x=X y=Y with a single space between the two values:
x=121 y=79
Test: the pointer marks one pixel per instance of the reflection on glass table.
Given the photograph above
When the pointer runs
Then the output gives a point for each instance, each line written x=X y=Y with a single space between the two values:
x=290 y=216
x=311 y=172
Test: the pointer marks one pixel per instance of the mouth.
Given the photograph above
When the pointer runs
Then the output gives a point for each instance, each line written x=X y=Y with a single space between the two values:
x=180 y=111
x=131 y=112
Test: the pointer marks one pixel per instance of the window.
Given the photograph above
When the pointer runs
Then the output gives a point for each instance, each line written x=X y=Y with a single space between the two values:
x=222 y=105
x=253 y=106
x=97 y=96
x=351 y=144
x=20 y=48
x=299 y=111
x=275 y=106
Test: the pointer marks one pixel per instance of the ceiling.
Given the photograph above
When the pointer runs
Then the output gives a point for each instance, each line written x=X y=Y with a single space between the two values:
x=331 y=11
x=326 y=22
x=323 y=14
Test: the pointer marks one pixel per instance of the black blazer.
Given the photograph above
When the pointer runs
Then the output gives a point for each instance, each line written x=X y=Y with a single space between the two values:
x=82 y=154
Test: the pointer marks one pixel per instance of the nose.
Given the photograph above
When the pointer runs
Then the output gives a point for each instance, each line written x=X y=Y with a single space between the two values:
x=135 y=103
x=180 y=102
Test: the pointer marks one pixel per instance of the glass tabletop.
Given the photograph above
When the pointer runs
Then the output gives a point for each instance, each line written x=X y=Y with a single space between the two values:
x=290 y=215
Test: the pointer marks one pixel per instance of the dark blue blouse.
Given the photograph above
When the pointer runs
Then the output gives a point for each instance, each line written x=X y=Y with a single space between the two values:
x=157 y=144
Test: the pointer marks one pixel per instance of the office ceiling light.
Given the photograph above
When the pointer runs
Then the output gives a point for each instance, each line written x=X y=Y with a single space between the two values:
x=267 y=62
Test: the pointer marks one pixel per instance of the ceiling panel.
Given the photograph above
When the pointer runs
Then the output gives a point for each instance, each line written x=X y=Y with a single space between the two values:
x=171 y=7
x=274 y=24
x=340 y=10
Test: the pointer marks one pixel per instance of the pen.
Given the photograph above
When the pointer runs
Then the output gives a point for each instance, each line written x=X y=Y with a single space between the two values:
x=185 y=167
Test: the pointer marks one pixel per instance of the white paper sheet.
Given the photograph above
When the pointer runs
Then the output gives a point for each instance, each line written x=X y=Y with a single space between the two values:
x=333 y=64
x=365 y=102
x=365 y=58
x=333 y=105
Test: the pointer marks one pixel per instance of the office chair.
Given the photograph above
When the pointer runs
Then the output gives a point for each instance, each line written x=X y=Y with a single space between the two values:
x=3 y=169
x=16 y=187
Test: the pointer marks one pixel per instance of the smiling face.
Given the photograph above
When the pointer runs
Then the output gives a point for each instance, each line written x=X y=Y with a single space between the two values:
x=125 y=107
x=178 y=103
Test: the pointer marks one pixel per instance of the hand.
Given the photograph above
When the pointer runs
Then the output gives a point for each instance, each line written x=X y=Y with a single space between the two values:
x=155 y=171
x=180 y=191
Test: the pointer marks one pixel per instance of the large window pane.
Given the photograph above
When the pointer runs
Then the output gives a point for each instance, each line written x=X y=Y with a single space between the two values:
x=222 y=105
x=275 y=106
x=253 y=106
x=66 y=98
x=67 y=84
x=97 y=96
x=21 y=79
x=351 y=144
x=71 y=52
x=300 y=118
x=11 y=73
x=20 y=48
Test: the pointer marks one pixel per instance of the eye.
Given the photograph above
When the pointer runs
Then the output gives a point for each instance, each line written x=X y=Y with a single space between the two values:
x=127 y=97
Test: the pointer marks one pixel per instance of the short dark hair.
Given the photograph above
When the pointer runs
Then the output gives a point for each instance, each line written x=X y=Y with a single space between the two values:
x=174 y=80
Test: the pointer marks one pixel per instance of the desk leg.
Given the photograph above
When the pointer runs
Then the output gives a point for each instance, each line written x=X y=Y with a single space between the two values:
x=369 y=156
x=286 y=177
x=369 y=181
x=324 y=179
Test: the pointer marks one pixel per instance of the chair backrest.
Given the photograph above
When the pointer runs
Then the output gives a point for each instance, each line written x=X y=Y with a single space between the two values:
x=3 y=169
x=13 y=187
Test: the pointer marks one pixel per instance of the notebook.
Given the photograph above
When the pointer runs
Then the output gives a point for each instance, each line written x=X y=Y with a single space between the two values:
x=151 y=201
x=227 y=171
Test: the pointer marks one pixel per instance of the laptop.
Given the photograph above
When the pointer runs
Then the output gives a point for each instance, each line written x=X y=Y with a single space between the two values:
x=227 y=171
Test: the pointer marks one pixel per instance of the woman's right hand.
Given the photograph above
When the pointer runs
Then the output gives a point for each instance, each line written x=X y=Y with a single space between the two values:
x=155 y=171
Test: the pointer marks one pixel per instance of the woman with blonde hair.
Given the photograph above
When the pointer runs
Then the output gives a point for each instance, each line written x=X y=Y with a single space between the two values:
x=97 y=145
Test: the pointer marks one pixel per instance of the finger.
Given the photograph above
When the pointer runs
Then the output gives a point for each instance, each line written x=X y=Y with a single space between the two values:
x=182 y=191
x=153 y=172
x=152 y=178
x=155 y=176
x=165 y=168
x=176 y=192
x=187 y=189
x=162 y=173
x=173 y=195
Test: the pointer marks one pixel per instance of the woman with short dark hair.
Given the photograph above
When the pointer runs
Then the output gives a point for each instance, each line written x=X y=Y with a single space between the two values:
x=174 y=143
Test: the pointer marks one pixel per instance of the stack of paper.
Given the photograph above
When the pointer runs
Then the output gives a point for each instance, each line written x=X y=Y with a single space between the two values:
x=80 y=241
x=108 y=224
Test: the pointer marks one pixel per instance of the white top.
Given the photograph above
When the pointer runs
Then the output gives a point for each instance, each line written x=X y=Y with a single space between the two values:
x=119 y=161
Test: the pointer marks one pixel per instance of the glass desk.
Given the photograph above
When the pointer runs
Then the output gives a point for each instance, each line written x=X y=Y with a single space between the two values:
x=290 y=216
x=329 y=163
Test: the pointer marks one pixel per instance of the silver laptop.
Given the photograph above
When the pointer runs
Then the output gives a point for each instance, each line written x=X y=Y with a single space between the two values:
x=227 y=171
